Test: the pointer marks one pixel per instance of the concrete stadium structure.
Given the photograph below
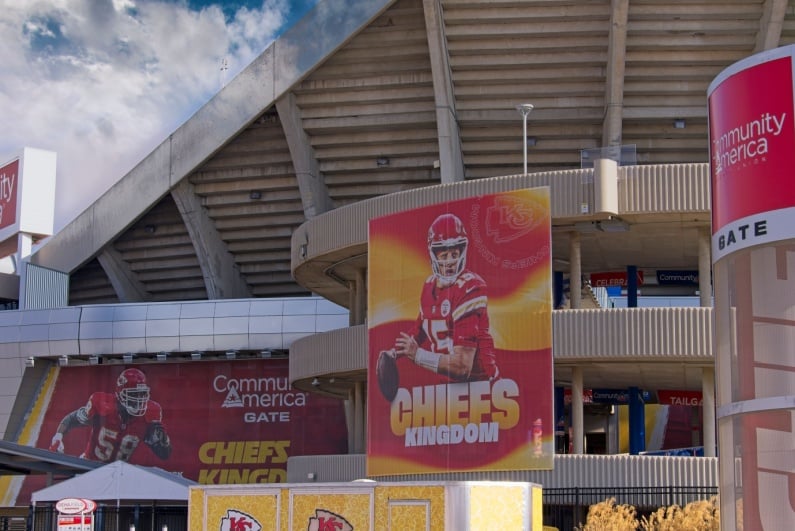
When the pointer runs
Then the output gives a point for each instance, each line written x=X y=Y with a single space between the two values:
x=369 y=107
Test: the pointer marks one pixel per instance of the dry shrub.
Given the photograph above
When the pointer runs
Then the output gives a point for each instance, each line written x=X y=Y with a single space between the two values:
x=702 y=515
x=608 y=515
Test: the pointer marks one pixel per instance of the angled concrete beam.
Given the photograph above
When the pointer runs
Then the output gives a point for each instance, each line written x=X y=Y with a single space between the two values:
x=222 y=276
x=770 y=25
x=123 y=279
x=311 y=184
x=614 y=90
x=451 y=157
x=280 y=66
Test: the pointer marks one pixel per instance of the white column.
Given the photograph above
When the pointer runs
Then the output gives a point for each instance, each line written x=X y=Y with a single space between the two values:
x=708 y=409
x=575 y=271
x=577 y=424
x=704 y=268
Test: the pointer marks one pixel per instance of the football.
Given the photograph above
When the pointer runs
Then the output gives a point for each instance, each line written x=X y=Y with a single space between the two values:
x=387 y=373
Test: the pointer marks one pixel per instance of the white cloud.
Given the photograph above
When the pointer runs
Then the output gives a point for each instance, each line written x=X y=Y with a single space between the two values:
x=102 y=83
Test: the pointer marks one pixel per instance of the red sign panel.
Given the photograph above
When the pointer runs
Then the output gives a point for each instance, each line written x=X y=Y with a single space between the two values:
x=9 y=188
x=460 y=336
x=613 y=278
x=679 y=398
x=213 y=422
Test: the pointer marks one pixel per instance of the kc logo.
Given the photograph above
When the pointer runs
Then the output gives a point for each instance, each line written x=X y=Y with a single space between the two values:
x=239 y=521
x=328 y=521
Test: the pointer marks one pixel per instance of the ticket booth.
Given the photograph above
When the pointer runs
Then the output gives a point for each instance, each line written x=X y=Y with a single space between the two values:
x=367 y=505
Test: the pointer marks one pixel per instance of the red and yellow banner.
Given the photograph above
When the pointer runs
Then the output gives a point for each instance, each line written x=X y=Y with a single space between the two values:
x=221 y=422
x=460 y=336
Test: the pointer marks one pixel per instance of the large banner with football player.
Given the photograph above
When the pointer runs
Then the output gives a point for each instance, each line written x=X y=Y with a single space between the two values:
x=460 y=336
x=215 y=422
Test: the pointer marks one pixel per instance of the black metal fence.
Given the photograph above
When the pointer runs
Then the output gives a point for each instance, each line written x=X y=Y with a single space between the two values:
x=564 y=509
x=123 y=518
x=567 y=508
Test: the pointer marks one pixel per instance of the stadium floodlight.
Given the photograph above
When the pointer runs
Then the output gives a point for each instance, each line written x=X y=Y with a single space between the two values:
x=524 y=109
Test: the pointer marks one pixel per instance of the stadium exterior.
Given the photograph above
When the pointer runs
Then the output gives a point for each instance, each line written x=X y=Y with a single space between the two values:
x=372 y=107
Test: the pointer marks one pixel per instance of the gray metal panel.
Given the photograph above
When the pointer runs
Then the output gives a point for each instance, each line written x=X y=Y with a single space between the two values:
x=123 y=329
x=196 y=342
x=45 y=287
x=162 y=328
x=232 y=308
x=129 y=344
x=96 y=330
x=586 y=471
x=64 y=347
x=231 y=341
x=271 y=324
x=265 y=340
x=163 y=311
x=303 y=307
x=34 y=348
x=96 y=346
x=298 y=323
x=65 y=315
x=96 y=313
x=129 y=312
x=162 y=344
x=324 y=323
x=267 y=307
x=10 y=318
x=196 y=327
x=33 y=317
x=230 y=325
x=64 y=331
x=39 y=332
x=194 y=310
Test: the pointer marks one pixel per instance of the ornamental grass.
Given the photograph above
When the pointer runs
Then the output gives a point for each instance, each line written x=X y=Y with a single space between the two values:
x=701 y=515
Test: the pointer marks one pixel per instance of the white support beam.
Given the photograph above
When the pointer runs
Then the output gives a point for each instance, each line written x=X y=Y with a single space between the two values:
x=312 y=185
x=222 y=276
x=770 y=25
x=451 y=158
x=614 y=89
x=123 y=279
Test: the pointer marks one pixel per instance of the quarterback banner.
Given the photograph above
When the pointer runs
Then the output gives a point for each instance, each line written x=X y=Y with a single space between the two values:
x=215 y=422
x=460 y=336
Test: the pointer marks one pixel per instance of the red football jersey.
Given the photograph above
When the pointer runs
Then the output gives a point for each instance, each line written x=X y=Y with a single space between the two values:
x=114 y=436
x=457 y=315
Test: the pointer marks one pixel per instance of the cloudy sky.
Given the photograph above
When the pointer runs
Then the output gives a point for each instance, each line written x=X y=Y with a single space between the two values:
x=103 y=82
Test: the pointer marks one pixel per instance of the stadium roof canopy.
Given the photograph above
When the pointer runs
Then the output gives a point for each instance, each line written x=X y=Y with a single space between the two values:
x=20 y=460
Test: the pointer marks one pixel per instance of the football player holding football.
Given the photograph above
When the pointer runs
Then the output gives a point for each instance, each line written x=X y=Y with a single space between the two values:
x=119 y=422
x=451 y=335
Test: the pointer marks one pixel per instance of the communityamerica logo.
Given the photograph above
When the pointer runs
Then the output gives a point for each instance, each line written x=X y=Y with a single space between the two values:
x=239 y=521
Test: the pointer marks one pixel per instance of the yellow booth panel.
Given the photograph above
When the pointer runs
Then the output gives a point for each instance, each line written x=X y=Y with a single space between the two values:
x=367 y=505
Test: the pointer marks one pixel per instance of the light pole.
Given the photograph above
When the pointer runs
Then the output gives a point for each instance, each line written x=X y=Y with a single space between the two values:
x=524 y=109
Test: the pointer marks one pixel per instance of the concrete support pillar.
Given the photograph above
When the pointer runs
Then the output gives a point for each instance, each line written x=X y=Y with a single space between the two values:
x=577 y=415
x=632 y=286
x=704 y=268
x=358 y=414
x=637 y=421
x=575 y=271
x=358 y=299
x=708 y=408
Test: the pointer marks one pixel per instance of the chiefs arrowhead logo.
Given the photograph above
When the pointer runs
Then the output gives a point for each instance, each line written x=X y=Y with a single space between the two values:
x=239 y=521
x=510 y=218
